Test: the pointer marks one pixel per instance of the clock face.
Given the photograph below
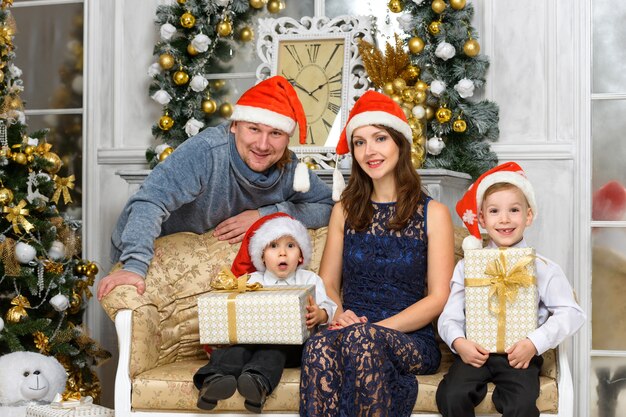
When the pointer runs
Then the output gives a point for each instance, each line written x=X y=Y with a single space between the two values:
x=315 y=67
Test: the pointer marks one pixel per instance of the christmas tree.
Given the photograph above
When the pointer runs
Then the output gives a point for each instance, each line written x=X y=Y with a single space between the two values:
x=449 y=69
x=44 y=283
x=197 y=38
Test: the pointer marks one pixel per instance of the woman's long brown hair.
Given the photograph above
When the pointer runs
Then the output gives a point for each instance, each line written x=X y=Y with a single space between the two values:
x=356 y=198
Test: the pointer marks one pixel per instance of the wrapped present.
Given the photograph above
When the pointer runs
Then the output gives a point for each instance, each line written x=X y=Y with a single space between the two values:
x=501 y=299
x=254 y=315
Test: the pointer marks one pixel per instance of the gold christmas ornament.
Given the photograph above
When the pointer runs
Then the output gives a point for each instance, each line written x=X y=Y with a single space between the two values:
x=397 y=98
x=413 y=122
x=438 y=6
x=246 y=34
x=444 y=114
x=187 y=20
x=411 y=73
x=256 y=4
x=19 y=158
x=417 y=157
x=408 y=94
x=182 y=1
x=180 y=77
x=18 y=312
x=41 y=342
x=420 y=96
x=421 y=86
x=75 y=303
x=224 y=28
x=388 y=88
x=217 y=84
x=471 y=47
x=6 y=196
x=92 y=267
x=459 y=125
x=1 y=76
x=406 y=110
x=395 y=6
x=79 y=269
x=398 y=85
x=430 y=113
x=166 y=61
x=209 y=106
x=226 y=109
x=457 y=4
x=54 y=162
x=416 y=45
x=166 y=122
x=29 y=150
x=191 y=50
x=434 y=27
x=166 y=152
x=273 y=6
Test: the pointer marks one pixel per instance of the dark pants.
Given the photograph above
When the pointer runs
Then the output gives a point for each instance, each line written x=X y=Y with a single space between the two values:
x=465 y=386
x=265 y=360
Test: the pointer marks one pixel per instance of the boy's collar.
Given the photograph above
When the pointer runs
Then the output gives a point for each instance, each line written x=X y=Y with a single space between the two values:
x=521 y=244
x=274 y=280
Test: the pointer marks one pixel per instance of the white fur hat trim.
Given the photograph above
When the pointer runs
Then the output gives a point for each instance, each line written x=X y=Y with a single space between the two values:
x=383 y=118
x=515 y=178
x=267 y=117
x=275 y=229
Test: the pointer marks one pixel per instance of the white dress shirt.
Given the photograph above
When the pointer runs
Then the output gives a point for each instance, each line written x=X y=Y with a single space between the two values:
x=559 y=315
x=300 y=277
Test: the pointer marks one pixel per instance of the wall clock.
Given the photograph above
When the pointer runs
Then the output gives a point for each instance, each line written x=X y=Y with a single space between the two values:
x=319 y=57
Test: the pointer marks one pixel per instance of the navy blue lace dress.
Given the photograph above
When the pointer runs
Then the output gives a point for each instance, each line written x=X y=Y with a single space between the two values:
x=366 y=369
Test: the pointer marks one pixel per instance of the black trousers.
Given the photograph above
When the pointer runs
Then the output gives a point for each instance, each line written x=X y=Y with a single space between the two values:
x=465 y=386
x=265 y=360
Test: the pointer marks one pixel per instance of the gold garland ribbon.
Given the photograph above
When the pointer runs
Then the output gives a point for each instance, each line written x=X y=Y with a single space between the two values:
x=63 y=186
x=7 y=256
x=16 y=215
x=504 y=286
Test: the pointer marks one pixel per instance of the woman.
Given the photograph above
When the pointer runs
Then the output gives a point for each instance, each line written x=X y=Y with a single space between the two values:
x=382 y=236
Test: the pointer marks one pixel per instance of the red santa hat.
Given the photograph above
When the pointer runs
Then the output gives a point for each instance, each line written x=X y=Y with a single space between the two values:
x=274 y=102
x=372 y=108
x=469 y=206
x=264 y=231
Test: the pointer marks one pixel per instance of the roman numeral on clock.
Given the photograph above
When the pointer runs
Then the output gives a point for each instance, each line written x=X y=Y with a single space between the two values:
x=333 y=107
x=294 y=54
x=313 y=50
x=335 y=93
x=332 y=55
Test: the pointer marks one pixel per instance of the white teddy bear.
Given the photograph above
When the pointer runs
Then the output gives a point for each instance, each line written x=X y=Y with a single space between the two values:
x=28 y=378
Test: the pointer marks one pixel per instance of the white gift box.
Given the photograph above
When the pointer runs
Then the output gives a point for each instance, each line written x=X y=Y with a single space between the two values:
x=80 y=411
x=485 y=290
x=270 y=315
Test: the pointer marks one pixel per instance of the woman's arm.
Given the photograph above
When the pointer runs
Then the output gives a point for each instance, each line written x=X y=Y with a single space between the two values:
x=440 y=266
x=332 y=257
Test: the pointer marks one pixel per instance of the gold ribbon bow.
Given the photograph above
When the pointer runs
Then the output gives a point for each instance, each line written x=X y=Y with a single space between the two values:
x=16 y=215
x=42 y=148
x=83 y=287
x=63 y=185
x=71 y=396
x=504 y=286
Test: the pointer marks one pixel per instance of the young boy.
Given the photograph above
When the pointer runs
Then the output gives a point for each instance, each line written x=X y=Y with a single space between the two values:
x=275 y=251
x=504 y=202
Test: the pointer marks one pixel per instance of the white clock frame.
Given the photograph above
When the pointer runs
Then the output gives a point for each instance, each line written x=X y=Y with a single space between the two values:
x=351 y=28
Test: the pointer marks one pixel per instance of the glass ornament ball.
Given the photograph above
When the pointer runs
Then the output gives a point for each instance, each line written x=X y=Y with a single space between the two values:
x=191 y=50
x=187 y=20
x=273 y=6
x=180 y=77
x=224 y=28
x=166 y=122
x=471 y=47
x=438 y=6
x=54 y=162
x=6 y=196
x=434 y=27
x=459 y=126
x=209 y=106
x=457 y=4
x=226 y=109
x=166 y=61
x=256 y=4
x=395 y=6
x=166 y=152
x=444 y=114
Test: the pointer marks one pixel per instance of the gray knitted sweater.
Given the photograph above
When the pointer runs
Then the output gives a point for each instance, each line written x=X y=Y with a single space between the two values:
x=202 y=183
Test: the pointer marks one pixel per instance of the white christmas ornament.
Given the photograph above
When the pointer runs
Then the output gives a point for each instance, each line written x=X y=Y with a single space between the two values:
x=418 y=2
x=24 y=253
x=465 y=88
x=60 y=302
x=160 y=148
x=56 y=251
x=445 y=51
x=77 y=84
x=437 y=87
x=162 y=97
x=419 y=111
x=405 y=21
x=167 y=31
x=154 y=69
x=32 y=142
x=193 y=126
x=19 y=115
x=15 y=71
x=198 y=83
x=435 y=145
x=222 y=3
x=1 y=324
x=201 y=42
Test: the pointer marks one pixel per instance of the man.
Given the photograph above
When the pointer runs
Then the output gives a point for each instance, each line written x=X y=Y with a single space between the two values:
x=226 y=178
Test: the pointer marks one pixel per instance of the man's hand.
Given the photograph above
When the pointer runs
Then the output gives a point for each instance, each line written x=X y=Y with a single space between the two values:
x=234 y=228
x=315 y=315
x=470 y=352
x=120 y=277
x=521 y=353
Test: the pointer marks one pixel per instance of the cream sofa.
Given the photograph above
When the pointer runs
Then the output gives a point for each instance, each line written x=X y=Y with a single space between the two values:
x=159 y=349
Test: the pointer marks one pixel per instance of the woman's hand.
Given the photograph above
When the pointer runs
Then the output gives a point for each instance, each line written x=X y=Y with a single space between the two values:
x=345 y=319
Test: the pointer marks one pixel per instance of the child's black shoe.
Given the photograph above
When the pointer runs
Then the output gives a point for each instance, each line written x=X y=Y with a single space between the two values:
x=216 y=387
x=253 y=388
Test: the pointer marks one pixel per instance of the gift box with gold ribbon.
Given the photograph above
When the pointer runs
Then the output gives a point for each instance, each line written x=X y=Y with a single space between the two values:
x=501 y=299
x=234 y=312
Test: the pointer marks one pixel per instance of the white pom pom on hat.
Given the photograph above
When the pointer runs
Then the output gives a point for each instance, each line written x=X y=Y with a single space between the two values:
x=468 y=207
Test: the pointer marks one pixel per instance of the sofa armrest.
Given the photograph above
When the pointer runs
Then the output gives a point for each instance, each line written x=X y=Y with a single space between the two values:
x=123 y=297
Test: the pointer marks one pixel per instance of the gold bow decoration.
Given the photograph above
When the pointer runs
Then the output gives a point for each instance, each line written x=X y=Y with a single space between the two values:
x=504 y=287
x=16 y=215
x=82 y=286
x=227 y=281
x=15 y=314
x=63 y=186
x=43 y=148
x=42 y=342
